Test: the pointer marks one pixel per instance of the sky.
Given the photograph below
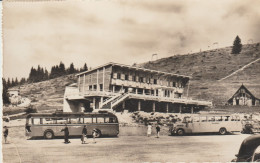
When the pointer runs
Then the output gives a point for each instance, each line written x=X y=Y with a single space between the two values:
x=124 y=31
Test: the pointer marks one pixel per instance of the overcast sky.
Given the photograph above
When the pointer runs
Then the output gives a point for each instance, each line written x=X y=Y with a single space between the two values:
x=126 y=31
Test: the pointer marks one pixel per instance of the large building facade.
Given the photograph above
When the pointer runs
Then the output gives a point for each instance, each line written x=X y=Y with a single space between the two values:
x=121 y=87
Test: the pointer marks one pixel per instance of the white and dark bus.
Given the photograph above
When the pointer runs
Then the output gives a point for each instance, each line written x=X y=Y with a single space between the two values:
x=221 y=124
x=50 y=125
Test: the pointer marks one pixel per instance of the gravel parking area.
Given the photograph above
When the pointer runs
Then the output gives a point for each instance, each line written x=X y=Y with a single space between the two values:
x=198 y=148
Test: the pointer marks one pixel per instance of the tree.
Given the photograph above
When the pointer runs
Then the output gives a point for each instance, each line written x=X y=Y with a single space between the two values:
x=5 y=92
x=71 y=69
x=62 y=70
x=85 y=68
x=237 y=46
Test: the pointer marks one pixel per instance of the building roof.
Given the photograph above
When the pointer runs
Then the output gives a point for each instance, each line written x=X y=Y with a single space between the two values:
x=134 y=68
x=242 y=86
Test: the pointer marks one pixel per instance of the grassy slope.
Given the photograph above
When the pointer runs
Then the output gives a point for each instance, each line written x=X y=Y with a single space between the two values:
x=207 y=67
x=47 y=95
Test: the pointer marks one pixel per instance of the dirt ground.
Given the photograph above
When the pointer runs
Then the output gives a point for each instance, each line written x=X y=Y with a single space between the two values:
x=190 y=148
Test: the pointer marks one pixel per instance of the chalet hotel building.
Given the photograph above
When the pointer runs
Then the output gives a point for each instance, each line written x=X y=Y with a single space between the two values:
x=121 y=87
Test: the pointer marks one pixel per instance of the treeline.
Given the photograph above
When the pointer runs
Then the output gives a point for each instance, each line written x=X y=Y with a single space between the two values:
x=40 y=74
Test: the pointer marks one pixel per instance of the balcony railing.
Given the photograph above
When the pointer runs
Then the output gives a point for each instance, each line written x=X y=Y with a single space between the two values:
x=139 y=95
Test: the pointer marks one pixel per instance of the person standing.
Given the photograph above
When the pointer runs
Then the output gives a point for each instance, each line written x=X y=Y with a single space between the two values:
x=66 y=134
x=5 y=133
x=149 y=130
x=84 y=134
x=94 y=134
x=158 y=130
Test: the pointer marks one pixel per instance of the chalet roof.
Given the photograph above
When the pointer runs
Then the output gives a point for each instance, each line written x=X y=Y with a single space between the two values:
x=242 y=86
x=134 y=68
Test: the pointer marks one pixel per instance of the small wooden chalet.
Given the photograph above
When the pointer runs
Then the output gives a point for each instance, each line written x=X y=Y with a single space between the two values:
x=244 y=97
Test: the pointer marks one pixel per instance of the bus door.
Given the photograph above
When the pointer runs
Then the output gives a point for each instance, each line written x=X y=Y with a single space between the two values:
x=195 y=126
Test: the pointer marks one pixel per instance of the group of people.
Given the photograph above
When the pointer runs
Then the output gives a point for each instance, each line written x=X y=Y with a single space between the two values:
x=149 y=130
x=83 y=137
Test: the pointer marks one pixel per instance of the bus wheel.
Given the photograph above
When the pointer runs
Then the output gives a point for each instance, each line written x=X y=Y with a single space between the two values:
x=48 y=134
x=180 y=132
x=98 y=134
x=222 y=131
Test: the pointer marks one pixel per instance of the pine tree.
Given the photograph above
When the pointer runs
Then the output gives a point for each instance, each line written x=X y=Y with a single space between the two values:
x=8 y=83
x=71 y=69
x=16 y=81
x=237 y=46
x=85 y=67
x=62 y=70
x=5 y=92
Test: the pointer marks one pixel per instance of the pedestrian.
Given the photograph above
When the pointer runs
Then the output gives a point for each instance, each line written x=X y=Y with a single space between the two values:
x=158 y=130
x=149 y=130
x=84 y=134
x=66 y=134
x=94 y=134
x=5 y=133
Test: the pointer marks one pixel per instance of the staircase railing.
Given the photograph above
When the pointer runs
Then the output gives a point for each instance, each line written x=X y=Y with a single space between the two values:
x=119 y=99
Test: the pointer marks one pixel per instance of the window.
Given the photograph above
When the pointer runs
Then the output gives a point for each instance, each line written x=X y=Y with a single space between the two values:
x=211 y=119
x=141 y=79
x=155 y=81
x=130 y=78
x=122 y=76
x=101 y=87
x=203 y=119
x=88 y=120
x=144 y=80
x=100 y=120
x=196 y=119
x=134 y=78
x=218 y=118
x=94 y=87
x=174 y=84
x=114 y=75
x=36 y=121
x=90 y=87
x=62 y=121
x=137 y=78
x=126 y=77
x=118 y=76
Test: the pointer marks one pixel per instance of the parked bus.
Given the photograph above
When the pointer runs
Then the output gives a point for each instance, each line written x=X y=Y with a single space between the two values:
x=207 y=123
x=50 y=125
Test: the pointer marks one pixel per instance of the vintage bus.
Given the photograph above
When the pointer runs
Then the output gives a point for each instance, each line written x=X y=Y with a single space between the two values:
x=50 y=125
x=221 y=124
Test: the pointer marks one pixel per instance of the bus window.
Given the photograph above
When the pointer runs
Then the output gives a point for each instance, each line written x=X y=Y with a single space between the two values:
x=218 y=118
x=112 y=120
x=211 y=119
x=226 y=118
x=47 y=121
x=62 y=121
x=100 y=120
x=107 y=120
x=196 y=119
x=203 y=119
x=73 y=120
x=36 y=121
x=88 y=120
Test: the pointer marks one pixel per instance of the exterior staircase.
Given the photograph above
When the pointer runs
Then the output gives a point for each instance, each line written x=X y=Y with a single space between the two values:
x=113 y=101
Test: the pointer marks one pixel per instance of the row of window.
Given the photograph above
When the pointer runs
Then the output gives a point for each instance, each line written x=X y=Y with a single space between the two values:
x=143 y=79
x=211 y=119
x=38 y=121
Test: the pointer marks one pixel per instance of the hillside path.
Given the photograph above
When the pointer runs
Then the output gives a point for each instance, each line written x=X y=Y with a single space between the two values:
x=242 y=68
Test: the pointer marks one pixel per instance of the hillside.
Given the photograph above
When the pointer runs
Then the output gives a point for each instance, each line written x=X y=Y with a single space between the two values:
x=47 y=95
x=207 y=67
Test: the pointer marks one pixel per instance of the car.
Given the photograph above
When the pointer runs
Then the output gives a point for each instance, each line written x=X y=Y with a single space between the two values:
x=249 y=150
